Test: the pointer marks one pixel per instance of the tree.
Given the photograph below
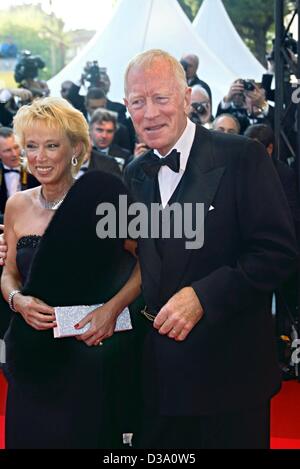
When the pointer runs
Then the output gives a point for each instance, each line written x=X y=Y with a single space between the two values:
x=190 y=7
x=253 y=20
x=35 y=30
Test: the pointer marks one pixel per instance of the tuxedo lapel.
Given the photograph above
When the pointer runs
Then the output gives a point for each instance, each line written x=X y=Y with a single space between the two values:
x=143 y=190
x=199 y=184
x=3 y=190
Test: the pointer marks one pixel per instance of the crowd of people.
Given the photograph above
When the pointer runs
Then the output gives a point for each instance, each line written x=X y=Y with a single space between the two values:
x=199 y=367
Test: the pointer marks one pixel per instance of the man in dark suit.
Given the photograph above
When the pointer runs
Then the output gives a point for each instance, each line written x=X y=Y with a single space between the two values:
x=13 y=177
x=209 y=361
x=190 y=63
x=103 y=127
x=98 y=160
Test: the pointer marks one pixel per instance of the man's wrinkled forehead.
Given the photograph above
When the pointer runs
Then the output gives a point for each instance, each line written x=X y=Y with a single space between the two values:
x=150 y=77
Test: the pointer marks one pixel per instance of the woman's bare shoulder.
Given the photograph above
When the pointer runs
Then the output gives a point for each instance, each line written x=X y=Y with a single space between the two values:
x=21 y=200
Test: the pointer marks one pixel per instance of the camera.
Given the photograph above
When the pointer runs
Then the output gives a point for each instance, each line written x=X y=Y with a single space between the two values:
x=198 y=113
x=95 y=75
x=289 y=43
x=248 y=85
x=199 y=108
x=28 y=66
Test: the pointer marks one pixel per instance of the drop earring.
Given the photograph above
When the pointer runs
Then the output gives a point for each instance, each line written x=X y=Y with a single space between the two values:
x=74 y=160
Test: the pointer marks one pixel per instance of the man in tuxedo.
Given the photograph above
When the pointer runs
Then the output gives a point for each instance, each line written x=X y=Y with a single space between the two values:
x=209 y=361
x=103 y=127
x=12 y=177
x=190 y=63
x=99 y=161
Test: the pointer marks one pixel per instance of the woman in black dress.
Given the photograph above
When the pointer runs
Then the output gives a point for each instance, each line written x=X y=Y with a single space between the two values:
x=62 y=393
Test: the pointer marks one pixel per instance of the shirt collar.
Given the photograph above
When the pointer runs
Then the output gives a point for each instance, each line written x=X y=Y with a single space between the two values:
x=184 y=144
x=17 y=168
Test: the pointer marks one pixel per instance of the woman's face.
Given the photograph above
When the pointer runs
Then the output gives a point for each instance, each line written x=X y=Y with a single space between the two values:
x=49 y=153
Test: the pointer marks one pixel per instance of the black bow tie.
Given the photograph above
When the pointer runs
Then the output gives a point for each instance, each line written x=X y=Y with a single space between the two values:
x=152 y=163
x=11 y=170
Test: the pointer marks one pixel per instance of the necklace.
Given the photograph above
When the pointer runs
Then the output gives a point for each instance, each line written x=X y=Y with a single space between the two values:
x=54 y=205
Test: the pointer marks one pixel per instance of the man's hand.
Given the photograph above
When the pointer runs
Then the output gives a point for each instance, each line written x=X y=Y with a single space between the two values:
x=179 y=315
x=22 y=93
x=3 y=247
x=140 y=149
x=237 y=87
x=257 y=96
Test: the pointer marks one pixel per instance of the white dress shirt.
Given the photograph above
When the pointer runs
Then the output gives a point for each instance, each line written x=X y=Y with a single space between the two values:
x=12 y=181
x=168 y=180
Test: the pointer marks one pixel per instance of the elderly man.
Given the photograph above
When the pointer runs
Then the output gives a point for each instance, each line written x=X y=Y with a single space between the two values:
x=200 y=109
x=210 y=366
x=190 y=63
x=226 y=123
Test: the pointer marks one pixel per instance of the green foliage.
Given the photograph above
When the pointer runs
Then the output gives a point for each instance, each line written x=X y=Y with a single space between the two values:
x=190 y=7
x=42 y=34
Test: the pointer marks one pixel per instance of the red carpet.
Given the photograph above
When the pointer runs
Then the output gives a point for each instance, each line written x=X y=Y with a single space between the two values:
x=285 y=417
x=2 y=408
x=285 y=420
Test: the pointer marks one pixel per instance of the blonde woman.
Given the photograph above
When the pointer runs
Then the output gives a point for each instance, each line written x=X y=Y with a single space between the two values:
x=59 y=393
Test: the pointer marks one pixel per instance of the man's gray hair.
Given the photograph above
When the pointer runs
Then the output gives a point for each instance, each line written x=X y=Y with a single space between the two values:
x=146 y=59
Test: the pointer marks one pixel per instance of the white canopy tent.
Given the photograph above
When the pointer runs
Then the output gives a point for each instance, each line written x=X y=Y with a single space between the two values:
x=137 y=26
x=215 y=28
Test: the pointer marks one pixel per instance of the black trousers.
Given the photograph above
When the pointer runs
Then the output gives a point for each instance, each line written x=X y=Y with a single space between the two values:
x=248 y=429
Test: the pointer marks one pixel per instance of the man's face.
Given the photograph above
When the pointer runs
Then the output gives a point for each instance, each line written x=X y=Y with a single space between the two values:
x=93 y=104
x=238 y=100
x=227 y=125
x=10 y=152
x=200 y=107
x=102 y=134
x=65 y=88
x=191 y=67
x=157 y=105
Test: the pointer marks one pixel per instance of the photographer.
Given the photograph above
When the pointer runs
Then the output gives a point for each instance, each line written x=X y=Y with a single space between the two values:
x=10 y=100
x=26 y=73
x=190 y=63
x=246 y=101
x=97 y=77
x=200 y=108
x=95 y=98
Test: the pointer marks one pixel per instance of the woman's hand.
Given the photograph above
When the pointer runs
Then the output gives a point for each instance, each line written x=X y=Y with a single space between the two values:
x=103 y=321
x=35 y=312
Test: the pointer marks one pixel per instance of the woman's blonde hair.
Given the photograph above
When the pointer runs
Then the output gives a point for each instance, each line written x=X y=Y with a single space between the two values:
x=56 y=113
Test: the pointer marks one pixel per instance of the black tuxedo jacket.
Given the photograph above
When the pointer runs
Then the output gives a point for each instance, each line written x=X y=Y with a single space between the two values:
x=228 y=361
x=119 y=152
x=103 y=163
x=31 y=182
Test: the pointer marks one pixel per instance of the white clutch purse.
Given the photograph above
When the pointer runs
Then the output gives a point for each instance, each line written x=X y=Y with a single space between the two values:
x=68 y=316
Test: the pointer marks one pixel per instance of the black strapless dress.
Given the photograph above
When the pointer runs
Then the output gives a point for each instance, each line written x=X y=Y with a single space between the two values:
x=61 y=393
